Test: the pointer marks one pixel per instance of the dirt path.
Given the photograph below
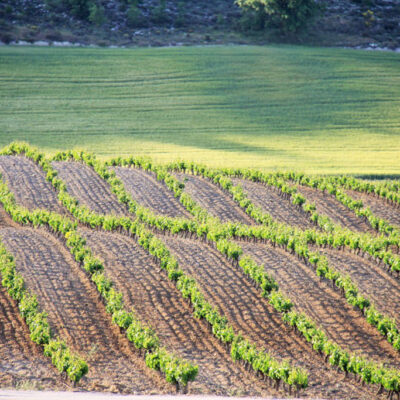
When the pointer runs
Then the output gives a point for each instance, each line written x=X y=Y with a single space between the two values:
x=380 y=207
x=327 y=204
x=87 y=186
x=227 y=288
x=327 y=307
x=144 y=187
x=269 y=200
x=378 y=285
x=26 y=180
x=159 y=304
x=76 y=314
x=213 y=199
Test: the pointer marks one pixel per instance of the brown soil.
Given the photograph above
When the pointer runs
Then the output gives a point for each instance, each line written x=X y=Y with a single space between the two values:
x=213 y=199
x=270 y=201
x=228 y=289
x=380 y=207
x=26 y=180
x=76 y=314
x=144 y=187
x=159 y=304
x=373 y=281
x=21 y=360
x=89 y=188
x=327 y=204
x=323 y=304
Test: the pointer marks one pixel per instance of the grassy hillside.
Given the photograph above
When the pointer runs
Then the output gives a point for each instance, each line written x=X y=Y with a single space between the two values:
x=313 y=109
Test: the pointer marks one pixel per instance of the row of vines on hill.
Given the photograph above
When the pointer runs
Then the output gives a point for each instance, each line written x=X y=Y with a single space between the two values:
x=218 y=233
x=61 y=356
x=241 y=349
x=335 y=236
x=294 y=241
x=368 y=372
x=176 y=370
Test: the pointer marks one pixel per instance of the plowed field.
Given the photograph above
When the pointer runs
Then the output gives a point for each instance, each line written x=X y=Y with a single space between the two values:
x=76 y=315
x=87 y=186
x=226 y=288
x=149 y=192
x=26 y=180
x=327 y=204
x=380 y=207
x=324 y=305
x=21 y=360
x=159 y=304
x=269 y=200
x=213 y=199
x=373 y=280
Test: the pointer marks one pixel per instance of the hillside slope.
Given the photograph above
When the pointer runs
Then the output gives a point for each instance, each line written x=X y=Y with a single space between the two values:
x=364 y=23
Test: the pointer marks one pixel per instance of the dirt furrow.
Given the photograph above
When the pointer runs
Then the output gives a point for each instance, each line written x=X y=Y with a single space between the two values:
x=268 y=199
x=374 y=282
x=28 y=184
x=87 y=186
x=160 y=305
x=327 y=204
x=213 y=199
x=22 y=362
x=326 y=306
x=144 y=187
x=380 y=207
x=227 y=288
x=76 y=314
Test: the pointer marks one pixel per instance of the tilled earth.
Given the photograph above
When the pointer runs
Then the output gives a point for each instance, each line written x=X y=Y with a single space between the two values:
x=88 y=187
x=213 y=199
x=78 y=316
x=271 y=202
x=327 y=204
x=326 y=306
x=149 y=192
x=158 y=303
x=28 y=184
x=380 y=207
x=249 y=313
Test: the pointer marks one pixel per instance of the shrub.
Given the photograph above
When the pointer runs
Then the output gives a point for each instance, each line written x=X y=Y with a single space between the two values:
x=286 y=15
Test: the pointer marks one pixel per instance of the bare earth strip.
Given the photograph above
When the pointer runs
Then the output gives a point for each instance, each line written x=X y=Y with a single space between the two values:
x=144 y=188
x=159 y=304
x=228 y=289
x=88 y=187
x=213 y=199
x=27 y=181
x=380 y=207
x=326 y=306
x=21 y=360
x=327 y=204
x=378 y=285
x=76 y=314
x=268 y=199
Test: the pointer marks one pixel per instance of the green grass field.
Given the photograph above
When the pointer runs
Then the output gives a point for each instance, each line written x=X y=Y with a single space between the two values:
x=318 y=110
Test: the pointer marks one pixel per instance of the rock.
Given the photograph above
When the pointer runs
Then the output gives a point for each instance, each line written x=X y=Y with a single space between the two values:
x=41 y=43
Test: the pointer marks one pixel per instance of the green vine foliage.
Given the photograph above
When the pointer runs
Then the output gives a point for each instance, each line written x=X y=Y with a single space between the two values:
x=61 y=356
x=209 y=229
x=296 y=242
x=260 y=361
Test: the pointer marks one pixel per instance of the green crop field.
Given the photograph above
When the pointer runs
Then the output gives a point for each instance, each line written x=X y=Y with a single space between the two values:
x=318 y=110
